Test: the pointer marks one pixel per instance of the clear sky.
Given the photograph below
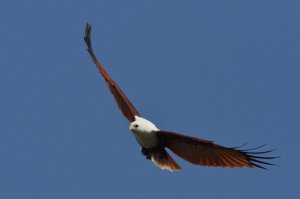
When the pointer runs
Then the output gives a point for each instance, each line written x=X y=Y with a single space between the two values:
x=226 y=71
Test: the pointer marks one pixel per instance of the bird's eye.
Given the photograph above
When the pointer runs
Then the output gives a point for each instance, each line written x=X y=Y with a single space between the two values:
x=136 y=125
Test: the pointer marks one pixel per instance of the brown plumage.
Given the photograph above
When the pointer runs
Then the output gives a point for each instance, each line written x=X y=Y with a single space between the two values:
x=206 y=153
x=163 y=160
x=194 y=150
x=128 y=110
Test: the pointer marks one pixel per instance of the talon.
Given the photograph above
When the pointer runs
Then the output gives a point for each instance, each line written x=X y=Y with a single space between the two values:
x=146 y=152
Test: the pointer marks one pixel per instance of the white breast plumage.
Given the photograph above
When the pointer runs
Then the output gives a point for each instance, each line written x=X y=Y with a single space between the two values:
x=144 y=132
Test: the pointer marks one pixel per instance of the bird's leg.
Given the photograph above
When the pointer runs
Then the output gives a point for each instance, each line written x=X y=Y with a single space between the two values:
x=146 y=152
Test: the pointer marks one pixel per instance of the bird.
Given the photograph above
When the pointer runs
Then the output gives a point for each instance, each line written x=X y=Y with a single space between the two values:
x=154 y=141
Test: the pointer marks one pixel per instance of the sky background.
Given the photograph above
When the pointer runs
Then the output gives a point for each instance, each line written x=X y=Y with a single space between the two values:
x=226 y=71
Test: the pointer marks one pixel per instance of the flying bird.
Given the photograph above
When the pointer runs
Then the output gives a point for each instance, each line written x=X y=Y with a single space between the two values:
x=154 y=141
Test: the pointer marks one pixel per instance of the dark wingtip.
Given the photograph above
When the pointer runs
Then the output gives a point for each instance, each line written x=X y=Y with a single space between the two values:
x=88 y=28
x=87 y=36
x=240 y=146
x=251 y=149
x=88 y=41
x=254 y=157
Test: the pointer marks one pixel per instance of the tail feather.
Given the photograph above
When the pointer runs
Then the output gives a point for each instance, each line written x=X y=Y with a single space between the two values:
x=163 y=160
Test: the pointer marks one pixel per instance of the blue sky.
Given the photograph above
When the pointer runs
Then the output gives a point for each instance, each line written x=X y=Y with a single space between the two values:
x=223 y=71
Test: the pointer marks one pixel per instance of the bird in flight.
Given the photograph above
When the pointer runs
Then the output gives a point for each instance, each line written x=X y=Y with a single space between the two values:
x=154 y=141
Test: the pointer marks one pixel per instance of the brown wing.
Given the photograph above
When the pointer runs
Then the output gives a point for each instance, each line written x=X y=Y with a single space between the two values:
x=124 y=104
x=206 y=153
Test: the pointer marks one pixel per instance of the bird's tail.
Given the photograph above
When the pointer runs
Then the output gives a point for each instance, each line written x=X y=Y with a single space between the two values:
x=163 y=160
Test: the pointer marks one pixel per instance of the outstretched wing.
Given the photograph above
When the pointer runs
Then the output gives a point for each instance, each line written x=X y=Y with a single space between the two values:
x=206 y=153
x=123 y=102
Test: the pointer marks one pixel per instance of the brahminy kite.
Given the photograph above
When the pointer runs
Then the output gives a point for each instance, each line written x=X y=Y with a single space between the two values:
x=154 y=141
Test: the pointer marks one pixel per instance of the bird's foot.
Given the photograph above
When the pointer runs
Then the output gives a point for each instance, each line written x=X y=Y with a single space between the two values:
x=146 y=152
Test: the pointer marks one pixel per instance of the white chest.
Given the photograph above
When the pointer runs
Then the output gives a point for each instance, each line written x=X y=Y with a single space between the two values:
x=144 y=132
x=146 y=139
